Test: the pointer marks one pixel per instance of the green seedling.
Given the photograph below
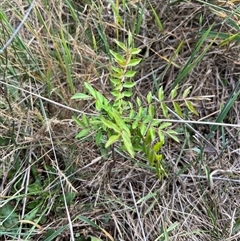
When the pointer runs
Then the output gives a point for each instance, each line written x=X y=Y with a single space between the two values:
x=133 y=127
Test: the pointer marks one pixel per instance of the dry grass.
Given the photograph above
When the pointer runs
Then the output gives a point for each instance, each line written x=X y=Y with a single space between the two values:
x=73 y=186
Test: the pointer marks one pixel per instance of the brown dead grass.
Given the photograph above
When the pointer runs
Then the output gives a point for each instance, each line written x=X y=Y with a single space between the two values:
x=130 y=203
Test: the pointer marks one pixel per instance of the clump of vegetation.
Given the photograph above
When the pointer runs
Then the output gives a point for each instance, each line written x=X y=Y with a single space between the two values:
x=129 y=123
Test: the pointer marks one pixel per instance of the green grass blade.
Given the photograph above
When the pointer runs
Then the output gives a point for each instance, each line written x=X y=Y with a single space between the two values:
x=139 y=18
x=191 y=63
x=56 y=234
x=100 y=29
x=158 y=21
x=224 y=36
x=233 y=97
x=67 y=61
x=170 y=62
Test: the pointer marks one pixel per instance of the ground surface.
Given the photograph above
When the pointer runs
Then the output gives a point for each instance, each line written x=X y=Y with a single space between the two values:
x=54 y=184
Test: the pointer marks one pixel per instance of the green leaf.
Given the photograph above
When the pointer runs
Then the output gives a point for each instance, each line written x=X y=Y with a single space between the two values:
x=98 y=105
x=134 y=124
x=130 y=105
x=129 y=38
x=151 y=111
x=191 y=107
x=149 y=97
x=114 y=93
x=197 y=53
x=82 y=133
x=140 y=113
x=118 y=57
x=112 y=139
x=10 y=217
x=148 y=139
x=178 y=109
x=118 y=88
x=143 y=129
x=186 y=92
x=120 y=96
x=151 y=158
x=88 y=221
x=128 y=84
x=98 y=138
x=134 y=62
x=81 y=96
x=158 y=21
x=69 y=197
x=4 y=141
x=164 y=109
x=146 y=119
x=157 y=146
x=173 y=134
x=164 y=125
x=130 y=74
x=161 y=136
x=132 y=114
x=85 y=120
x=236 y=226
x=175 y=138
x=110 y=125
x=158 y=157
x=160 y=94
x=121 y=45
x=146 y=197
x=135 y=51
x=108 y=108
x=115 y=81
x=117 y=70
x=95 y=239
x=227 y=107
x=127 y=143
x=100 y=97
x=152 y=133
x=139 y=102
x=106 y=102
x=96 y=122
x=126 y=128
x=78 y=122
x=155 y=122
x=230 y=39
x=160 y=170
x=118 y=119
x=55 y=234
x=174 y=92
x=117 y=75
x=90 y=89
